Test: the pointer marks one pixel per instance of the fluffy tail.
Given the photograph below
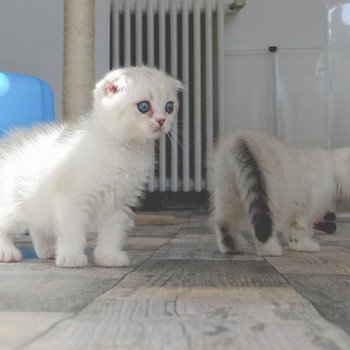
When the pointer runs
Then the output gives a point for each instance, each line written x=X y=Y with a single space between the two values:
x=252 y=186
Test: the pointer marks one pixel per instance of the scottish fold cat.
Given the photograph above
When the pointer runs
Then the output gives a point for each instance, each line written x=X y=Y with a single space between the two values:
x=263 y=185
x=61 y=181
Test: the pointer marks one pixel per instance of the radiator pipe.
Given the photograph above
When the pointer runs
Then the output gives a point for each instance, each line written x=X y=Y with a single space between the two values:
x=236 y=5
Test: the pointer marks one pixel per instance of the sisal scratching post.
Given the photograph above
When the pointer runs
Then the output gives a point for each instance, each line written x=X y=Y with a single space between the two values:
x=79 y=67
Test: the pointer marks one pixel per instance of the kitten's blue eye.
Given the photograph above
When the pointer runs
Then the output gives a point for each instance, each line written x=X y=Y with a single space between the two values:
x=143 y=106
x=169 y=107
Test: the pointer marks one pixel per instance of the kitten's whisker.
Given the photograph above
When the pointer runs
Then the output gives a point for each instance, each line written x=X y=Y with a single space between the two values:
x=175 y=146
x=177 y=142
x=171 y=138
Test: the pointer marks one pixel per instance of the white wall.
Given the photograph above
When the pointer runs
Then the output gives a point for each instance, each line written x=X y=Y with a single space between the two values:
x=281 y=93
x=339 y=77
x=31 y=41
x=284 y=23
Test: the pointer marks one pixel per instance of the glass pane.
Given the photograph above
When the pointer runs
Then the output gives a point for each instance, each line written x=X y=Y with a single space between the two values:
x=250 y=91
x=301 y=97
x=339 y=71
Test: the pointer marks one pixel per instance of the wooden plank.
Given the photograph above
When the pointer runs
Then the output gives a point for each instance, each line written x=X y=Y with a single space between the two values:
x=132 y=315
x=188 y=295
x=152 y=243
x=17 y=328
x=179 y=275
x=155 y=231
x=192 y=243
x=38 y=285
x=329 y=260
x=189 y=230
x=135 y=324
x=178 y=213
x=153 y=219
x=137 y=256
x=330 y=294
x=198 y=221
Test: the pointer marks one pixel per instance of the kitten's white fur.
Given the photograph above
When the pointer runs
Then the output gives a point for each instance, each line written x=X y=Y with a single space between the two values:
x=61 y=181
x=300 y=186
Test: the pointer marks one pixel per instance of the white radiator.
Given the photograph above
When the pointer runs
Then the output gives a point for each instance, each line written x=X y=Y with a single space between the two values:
x=186 y=39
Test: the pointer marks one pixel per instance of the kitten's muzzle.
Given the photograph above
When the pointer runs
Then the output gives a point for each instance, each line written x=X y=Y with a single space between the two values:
x=161 y=122
x=156 y=128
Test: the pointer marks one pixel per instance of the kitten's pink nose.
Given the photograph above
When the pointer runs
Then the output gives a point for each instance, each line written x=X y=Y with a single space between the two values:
x=161 y=122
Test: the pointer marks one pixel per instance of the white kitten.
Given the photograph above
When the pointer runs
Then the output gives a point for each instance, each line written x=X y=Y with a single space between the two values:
x=61 y=181
x=274 y=188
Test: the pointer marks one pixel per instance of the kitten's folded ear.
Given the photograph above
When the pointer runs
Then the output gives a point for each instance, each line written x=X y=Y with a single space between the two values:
x=111 y=88
x=100 y=90
x=107 y=87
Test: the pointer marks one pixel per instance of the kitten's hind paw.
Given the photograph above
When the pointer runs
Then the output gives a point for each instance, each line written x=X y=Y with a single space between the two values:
x=71 y=260
x=111 y=259
x=10 y=253
x=269 y=248
x=304 y=245
x=235 y=247
x=224 y=248
x=228 y=243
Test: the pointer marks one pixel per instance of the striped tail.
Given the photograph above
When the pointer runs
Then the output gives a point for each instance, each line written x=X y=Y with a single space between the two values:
x=252 y=186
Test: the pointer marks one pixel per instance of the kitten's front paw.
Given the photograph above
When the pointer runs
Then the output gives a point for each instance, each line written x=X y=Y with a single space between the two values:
x=71 y=260
x=9 y=253
x=111 y=259
x=304 y=245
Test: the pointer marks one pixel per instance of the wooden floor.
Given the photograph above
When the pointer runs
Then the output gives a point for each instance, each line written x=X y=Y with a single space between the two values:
x=181 y=293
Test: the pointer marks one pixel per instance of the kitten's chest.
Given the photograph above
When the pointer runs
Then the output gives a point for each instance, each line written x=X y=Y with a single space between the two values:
x=120 y=184
x=126 y=170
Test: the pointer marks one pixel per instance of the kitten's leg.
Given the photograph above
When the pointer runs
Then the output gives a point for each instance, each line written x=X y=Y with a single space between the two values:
x=111 y=235
x=300 y=237
x=8 y=252
x=228 y=238
x=70 y=224
x=44 y=244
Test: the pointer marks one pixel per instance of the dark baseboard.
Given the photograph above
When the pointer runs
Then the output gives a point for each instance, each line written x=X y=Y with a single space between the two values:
x=175 y=200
